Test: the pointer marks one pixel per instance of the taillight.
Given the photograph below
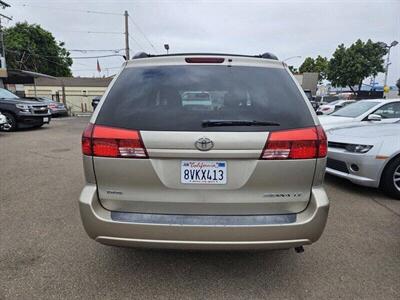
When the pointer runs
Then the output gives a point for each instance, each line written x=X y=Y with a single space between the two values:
x=113 y=142
x=322 y=142
x=86 y=140
x=303 y=143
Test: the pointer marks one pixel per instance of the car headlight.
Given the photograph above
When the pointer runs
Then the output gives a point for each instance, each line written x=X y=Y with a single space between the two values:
x=23 y=107
x=358 y=148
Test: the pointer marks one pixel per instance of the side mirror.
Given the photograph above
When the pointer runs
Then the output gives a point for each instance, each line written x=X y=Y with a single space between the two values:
x=374 y=117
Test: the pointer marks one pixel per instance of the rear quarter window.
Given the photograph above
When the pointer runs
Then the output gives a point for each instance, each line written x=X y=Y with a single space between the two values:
x=181 y=98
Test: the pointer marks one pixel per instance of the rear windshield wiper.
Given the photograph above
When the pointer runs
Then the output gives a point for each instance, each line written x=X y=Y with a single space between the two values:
x=220 y=123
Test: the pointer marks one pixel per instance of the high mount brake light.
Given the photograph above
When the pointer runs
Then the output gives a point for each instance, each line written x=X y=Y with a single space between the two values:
x=106 y=141
x=303 y=143
x=204 y=60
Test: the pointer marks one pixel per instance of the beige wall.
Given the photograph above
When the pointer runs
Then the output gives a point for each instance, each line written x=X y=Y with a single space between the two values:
x=75 y=96
x=308 y=81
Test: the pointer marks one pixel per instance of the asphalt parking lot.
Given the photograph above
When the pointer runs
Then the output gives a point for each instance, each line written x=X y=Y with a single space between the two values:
x=45 y=253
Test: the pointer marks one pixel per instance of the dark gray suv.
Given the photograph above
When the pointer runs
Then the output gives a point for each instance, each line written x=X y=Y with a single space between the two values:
x=22 y=113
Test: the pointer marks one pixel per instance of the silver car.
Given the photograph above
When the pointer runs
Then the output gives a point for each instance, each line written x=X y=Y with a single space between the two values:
x=242 y=170
x=363 y=112
x=368 y=155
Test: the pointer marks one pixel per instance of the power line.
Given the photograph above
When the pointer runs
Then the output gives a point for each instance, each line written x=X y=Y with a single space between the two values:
x=33 y=54
x=98 y=56
x=137 y=43
x=70 y=9
x=72 y=57
x=94 y=69
x=83 y=31
x=144 y=35
x=36 y=54
x=93 y=32
x=95 y=50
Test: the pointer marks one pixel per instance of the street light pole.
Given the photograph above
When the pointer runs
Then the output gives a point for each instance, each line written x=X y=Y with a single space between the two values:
x=385 y=87
x=166 y=47
x=387 y=67
x=291 y=57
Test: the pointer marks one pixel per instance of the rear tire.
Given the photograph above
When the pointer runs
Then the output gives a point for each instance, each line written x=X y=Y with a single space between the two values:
x=390 y=181
x=11 y=120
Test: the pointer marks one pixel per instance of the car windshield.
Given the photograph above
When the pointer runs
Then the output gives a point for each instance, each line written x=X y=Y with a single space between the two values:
x=44 y=99
x=183 y=98
x=355 y=109
x=5 y=94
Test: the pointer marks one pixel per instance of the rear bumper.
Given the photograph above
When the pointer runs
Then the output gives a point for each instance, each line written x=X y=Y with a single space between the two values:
x=181 y=232
x=59 y=112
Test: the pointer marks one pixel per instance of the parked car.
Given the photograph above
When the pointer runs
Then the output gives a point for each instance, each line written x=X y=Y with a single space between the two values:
x=321 y=100
x=57 y=109
x=368 y=155
x=95 y=101
x=3 y=122
x=246 y=174
x=309 y=94
x=329 y=108
x=199 y=100
x=22 y=113
x=363 y=112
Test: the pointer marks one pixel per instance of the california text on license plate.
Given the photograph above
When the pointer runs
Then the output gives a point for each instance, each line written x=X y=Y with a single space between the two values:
x=203 y=172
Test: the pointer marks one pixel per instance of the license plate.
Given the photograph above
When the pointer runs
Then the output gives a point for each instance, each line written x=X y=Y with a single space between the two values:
x=203 y=172
x=46 y=119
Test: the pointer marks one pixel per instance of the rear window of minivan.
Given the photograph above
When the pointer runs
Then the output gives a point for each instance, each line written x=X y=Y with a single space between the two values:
x=181 y=98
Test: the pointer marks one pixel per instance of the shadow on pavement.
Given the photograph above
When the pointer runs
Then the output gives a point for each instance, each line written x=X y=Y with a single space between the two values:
x=199 y=270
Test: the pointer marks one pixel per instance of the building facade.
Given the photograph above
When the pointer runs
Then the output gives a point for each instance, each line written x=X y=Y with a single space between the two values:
x=79 y=91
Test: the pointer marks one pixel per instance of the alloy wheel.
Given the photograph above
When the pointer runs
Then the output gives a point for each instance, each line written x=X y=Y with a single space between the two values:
x=396 y=178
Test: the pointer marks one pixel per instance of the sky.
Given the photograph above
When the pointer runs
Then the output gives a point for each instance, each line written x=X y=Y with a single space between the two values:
x=285 y=28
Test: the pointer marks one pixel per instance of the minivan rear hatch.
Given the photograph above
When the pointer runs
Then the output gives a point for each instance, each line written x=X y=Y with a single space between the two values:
x=199 y=131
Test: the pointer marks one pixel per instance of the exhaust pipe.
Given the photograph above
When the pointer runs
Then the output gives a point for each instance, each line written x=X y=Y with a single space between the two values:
x=299 y=249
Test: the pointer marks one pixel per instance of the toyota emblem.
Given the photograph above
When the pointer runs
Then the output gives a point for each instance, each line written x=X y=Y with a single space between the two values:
x=204 y=144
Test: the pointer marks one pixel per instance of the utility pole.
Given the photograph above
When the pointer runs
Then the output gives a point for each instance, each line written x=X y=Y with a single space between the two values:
x=3 y=65
x=126 y=35
x=3 y=49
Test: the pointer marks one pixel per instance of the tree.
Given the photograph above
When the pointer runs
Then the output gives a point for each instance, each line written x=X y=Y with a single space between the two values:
x=321 y=66
x=318 y=65
x=350 y=66
x=398 y=86
x=30 y=47
x=308 y=65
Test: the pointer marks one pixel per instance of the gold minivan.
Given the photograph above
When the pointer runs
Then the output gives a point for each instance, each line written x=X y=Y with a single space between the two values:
x=242 y=170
